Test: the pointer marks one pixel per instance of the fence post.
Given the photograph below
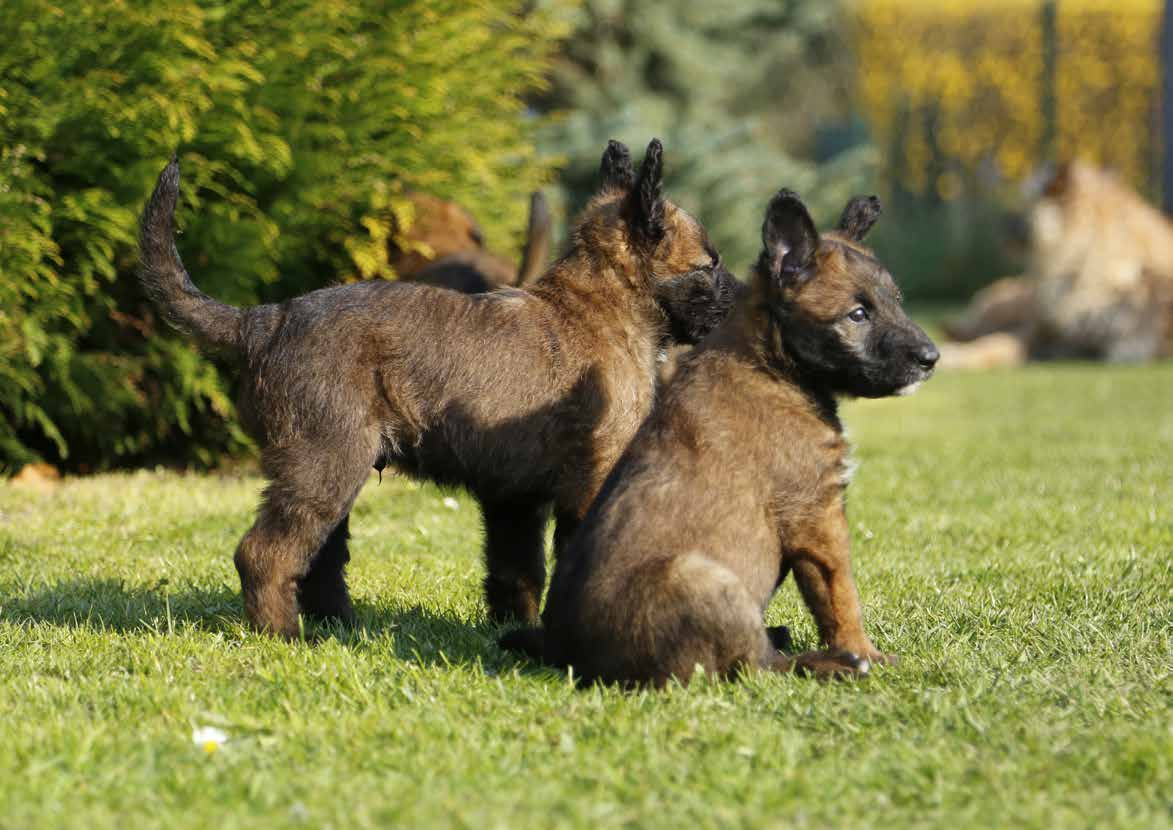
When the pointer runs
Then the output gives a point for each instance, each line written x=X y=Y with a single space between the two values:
x=1165 y=56
x=1050 y=36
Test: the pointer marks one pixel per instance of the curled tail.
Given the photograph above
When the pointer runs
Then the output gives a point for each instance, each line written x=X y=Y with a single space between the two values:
x=537 y=241
x=529 y=641
x=165 y=279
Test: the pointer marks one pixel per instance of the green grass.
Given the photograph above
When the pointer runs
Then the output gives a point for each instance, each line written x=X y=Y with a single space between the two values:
x=1013 y=542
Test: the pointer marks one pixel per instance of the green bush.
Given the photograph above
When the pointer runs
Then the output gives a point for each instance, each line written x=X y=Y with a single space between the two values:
x=298 y=125
x=942 y=252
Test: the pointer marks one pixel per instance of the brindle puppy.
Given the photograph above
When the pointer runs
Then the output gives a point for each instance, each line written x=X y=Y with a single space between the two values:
x=525 y=397
x=738 y=477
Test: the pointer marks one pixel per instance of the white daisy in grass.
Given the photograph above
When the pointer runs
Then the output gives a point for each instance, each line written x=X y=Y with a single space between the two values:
x=209 y=738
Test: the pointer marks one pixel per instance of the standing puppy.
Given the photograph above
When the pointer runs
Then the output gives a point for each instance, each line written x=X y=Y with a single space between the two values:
x=525 y=397
x=738 y=477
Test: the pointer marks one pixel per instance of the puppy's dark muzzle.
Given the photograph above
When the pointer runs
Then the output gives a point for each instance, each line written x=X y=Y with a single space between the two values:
x=725 y=289
x=697 y=302
x=925 y=356
x=915 y=355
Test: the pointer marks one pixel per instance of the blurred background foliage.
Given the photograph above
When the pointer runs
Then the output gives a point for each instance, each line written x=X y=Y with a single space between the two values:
x=965 y=99
x=987 y=87
x=300 y=126
x=746 y=96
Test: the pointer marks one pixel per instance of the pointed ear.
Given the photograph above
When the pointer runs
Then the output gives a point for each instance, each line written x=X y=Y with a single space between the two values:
x=647 y=201
x=859 y=216
x=789 y=238
x=615 y=171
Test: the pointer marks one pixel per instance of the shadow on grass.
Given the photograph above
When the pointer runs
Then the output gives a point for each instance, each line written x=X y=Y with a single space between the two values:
x=417 y=634
x=112 y=605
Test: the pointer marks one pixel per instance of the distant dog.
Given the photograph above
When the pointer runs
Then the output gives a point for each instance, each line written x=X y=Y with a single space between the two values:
x=525 y=397
x=475 y=269
x=738 y=477
x=1099 y=284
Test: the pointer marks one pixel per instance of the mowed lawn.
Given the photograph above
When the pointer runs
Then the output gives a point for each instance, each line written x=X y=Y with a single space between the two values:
x=1013 y=538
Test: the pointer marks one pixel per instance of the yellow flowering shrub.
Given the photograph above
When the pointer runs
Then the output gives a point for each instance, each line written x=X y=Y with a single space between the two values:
x=951 y=85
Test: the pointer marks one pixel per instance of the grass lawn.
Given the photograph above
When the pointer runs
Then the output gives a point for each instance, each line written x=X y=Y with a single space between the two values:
x=1013 y=540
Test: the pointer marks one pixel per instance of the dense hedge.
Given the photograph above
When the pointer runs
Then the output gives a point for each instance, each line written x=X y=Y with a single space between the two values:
x=298 y=124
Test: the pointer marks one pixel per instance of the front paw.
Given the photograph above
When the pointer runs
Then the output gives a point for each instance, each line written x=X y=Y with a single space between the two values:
x=867 y=651
x=831 y=664
x=874 y=656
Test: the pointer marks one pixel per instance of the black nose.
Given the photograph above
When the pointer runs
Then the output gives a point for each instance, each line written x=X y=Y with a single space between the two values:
x=926 y=355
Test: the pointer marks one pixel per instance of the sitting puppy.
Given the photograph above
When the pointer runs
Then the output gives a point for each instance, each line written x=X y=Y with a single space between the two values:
x=738 y=477
x=526 y=397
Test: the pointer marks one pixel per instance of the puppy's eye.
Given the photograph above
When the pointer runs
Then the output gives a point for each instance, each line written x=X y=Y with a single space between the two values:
x=857 y=314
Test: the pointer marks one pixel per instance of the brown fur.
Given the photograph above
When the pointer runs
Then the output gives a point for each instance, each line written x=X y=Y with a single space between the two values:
x=525 y=397
x=738 y=478
x=1099 y=284
x=438 y=228
x=458 y=258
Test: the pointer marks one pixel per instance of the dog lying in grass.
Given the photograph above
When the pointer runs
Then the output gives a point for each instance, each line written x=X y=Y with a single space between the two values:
x=525 y=397
x=1099 y=284
x=738 y=477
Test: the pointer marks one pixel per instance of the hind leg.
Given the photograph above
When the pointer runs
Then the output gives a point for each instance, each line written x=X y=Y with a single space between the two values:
x=740 y=640
x=698 y=613
x=311 y=490
x=713 y=622
x=515 y=559
x=322 y=592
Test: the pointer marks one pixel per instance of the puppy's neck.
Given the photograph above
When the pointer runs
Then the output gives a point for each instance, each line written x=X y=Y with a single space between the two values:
x=595 y=286
x=759 y=335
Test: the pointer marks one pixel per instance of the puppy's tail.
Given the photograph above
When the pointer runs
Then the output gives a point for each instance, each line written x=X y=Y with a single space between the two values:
x=165 y=280
x=529 y=641
x=537 y=240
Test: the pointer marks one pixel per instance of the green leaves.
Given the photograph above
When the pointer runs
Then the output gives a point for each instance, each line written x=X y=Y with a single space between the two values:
x=299 y=126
